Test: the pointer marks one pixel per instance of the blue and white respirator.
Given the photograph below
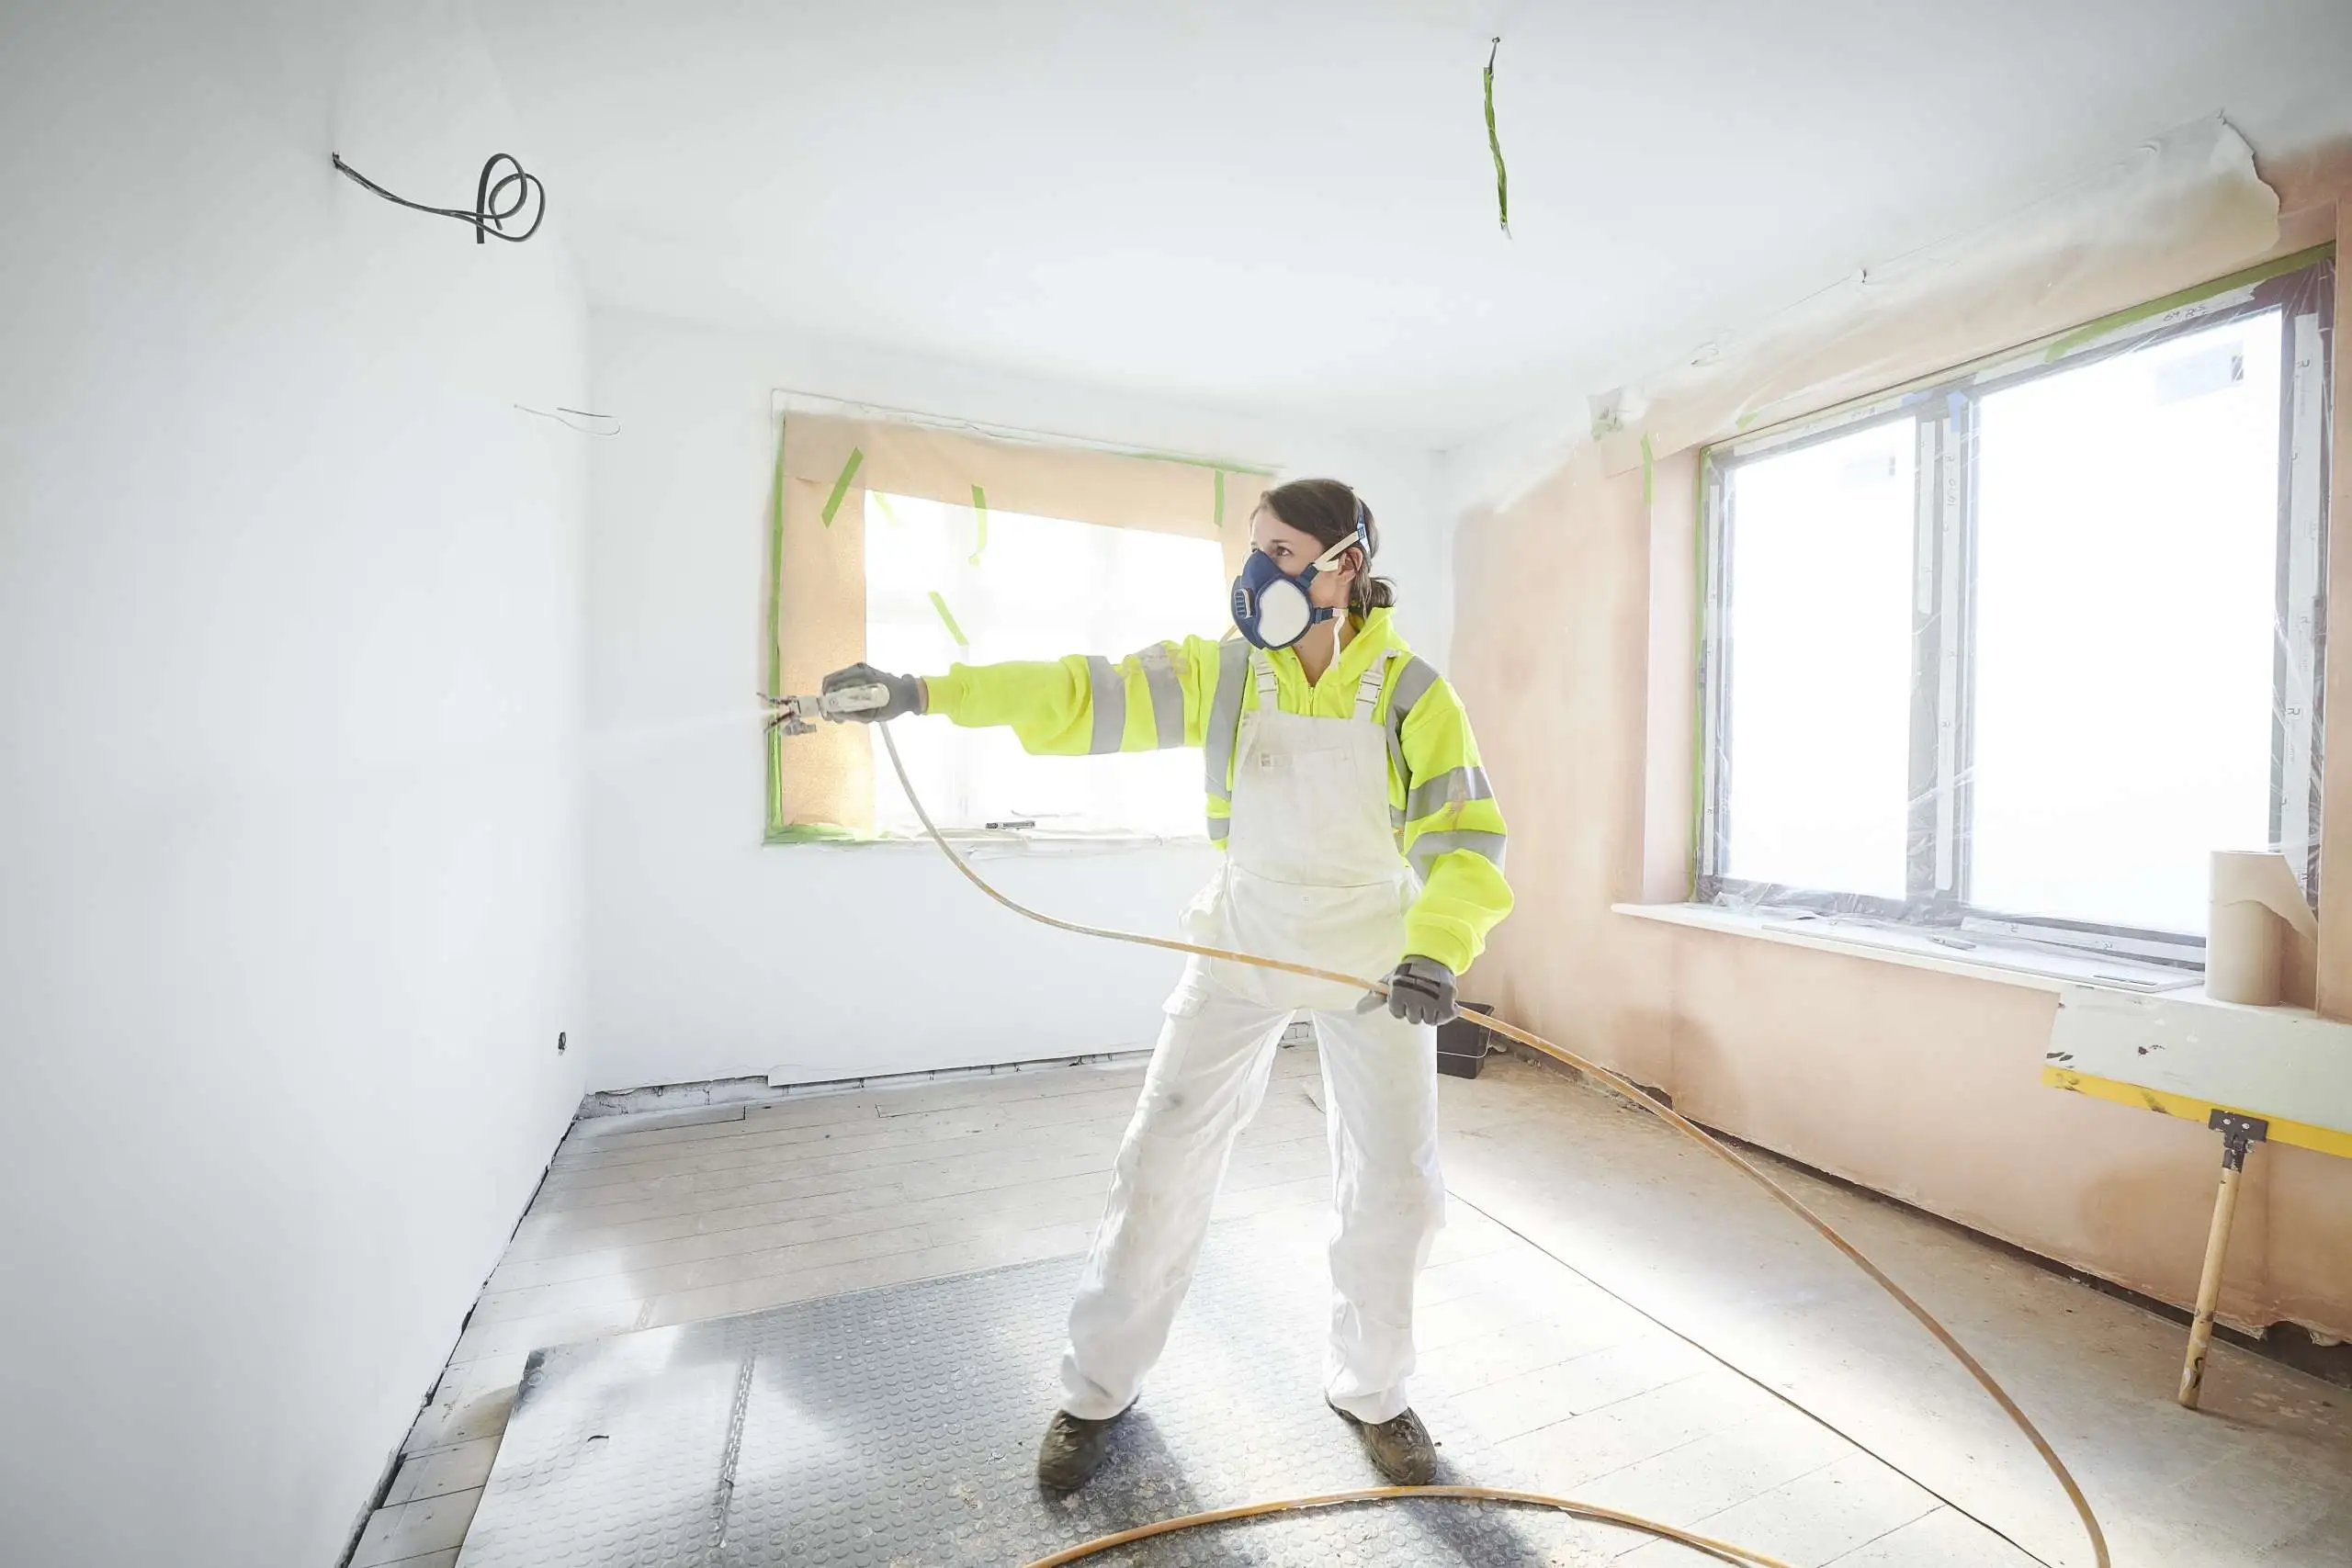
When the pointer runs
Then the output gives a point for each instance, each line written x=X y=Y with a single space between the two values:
x=1271 y=608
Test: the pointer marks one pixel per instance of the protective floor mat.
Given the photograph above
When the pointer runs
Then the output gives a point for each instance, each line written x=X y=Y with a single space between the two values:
x=898 y=1426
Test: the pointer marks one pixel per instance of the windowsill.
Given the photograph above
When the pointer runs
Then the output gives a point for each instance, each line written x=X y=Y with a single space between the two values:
x=2003 y=963
x=982 y=842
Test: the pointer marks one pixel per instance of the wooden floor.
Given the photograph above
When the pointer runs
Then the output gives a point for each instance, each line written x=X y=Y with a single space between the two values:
x=643 y=1222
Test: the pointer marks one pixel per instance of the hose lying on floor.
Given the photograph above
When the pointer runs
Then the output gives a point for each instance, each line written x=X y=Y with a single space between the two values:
x=1625 y=1086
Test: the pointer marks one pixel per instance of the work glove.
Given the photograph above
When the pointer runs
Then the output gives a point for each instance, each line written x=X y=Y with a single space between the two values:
x=1420 y=990
x=906 y=691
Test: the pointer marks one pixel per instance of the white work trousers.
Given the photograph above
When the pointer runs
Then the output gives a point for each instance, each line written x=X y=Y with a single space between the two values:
x=1207 y=1079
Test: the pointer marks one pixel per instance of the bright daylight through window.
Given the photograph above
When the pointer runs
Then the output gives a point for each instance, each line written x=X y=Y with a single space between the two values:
x=2018 y=652
x=949 y=584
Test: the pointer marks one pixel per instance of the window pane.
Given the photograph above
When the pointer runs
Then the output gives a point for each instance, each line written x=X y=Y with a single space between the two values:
x=1040 y=588
x=1818 y=760
x=2127 y=581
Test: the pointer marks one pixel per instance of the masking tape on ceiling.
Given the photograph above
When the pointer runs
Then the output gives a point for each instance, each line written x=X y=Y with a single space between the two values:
x=841 y=485
x=1495 y=145
x=1649 y=473
x=979 y=525
x=947 y=619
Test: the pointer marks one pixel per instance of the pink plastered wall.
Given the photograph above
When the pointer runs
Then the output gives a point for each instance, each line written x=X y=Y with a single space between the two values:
x=1574 y=653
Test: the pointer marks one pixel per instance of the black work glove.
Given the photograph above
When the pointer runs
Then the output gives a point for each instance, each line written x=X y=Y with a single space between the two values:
x=1420 y=990
x=906 y=691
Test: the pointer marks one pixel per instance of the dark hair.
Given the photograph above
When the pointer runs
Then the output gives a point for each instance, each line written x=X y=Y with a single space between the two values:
x=1326 y=511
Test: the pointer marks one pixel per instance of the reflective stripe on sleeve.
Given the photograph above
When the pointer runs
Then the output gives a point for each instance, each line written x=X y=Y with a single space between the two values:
x=1429 y=846
x=1166 y=696
x=1413 y=683
x=1109 y=694
x=1432 y=795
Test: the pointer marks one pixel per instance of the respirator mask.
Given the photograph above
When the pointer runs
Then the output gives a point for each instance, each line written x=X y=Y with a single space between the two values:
x=1272 y=608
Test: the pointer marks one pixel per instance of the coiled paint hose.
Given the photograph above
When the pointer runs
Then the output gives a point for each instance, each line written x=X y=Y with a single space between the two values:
x=1625 y=1086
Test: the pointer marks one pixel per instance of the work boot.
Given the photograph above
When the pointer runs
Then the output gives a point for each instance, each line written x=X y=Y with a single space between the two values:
x=1400 y=1447
x=1072 y=1451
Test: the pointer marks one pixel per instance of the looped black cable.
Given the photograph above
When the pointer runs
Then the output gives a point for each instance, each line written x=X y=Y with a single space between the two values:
x=492 y=207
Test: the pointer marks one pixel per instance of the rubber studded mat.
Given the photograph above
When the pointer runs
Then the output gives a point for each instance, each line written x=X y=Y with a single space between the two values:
x=898 y=1426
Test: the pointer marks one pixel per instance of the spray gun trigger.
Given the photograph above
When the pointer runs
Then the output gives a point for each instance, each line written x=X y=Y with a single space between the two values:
x=843 y=701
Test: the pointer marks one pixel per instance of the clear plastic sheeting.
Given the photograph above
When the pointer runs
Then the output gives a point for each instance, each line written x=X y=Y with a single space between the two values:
x=2013 y=654
x=2127 y=527
x=2180 y=208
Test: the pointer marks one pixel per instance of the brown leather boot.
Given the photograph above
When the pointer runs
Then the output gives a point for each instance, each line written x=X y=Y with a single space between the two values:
x=1073 y=1448
x=1400 y=1447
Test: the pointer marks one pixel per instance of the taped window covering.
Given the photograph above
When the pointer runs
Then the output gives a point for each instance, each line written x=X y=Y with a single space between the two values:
x=821 y=786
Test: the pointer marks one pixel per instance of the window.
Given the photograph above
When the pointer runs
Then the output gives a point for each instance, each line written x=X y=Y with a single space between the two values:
x=915 y=542
x=2016 y=651
x=939 y=592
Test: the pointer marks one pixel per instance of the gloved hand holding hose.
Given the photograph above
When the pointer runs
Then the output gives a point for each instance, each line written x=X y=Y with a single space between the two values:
x=1420 y=990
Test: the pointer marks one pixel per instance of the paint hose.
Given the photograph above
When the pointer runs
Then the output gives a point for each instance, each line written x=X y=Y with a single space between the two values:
x=1631 y=1091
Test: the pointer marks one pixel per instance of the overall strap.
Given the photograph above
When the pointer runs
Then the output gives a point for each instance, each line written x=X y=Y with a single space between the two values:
x=1368 y=687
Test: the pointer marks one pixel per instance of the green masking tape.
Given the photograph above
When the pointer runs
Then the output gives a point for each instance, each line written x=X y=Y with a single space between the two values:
x=2094 y=331
x=1495 y=145
x=776 y=569
x=1699 y=664
x=775 y=633
x=841 y=485
x=980 y=534
x=947 y=619
x=1217 y=517
x=889 y=513
x=1650 y=472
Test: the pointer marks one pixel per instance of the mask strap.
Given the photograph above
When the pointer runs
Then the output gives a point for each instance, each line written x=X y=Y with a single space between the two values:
x=1331 y=556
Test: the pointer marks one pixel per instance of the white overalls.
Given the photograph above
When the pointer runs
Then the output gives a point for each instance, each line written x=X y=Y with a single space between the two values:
x=1312 y=874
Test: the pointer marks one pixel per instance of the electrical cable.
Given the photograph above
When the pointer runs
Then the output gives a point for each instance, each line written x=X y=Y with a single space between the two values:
x=1631 y=1091
x=560 y=411
x=489 y=216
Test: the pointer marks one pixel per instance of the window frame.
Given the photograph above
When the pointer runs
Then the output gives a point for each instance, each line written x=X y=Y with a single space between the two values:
x=1943 y=410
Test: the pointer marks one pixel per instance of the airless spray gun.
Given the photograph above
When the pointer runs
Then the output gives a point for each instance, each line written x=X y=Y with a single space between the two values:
x=797 y=715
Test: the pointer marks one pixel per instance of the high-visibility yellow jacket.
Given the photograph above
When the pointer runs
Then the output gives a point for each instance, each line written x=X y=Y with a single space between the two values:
x=1449 y=828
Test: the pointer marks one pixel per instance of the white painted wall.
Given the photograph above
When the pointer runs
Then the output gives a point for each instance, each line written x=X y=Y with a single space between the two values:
x=291 y=653
x=711 y=956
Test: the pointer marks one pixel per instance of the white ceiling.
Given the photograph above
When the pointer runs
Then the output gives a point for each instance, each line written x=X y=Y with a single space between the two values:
x=1290 y=206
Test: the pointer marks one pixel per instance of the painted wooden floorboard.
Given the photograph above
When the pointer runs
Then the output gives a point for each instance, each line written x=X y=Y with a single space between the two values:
x=643 y=1227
